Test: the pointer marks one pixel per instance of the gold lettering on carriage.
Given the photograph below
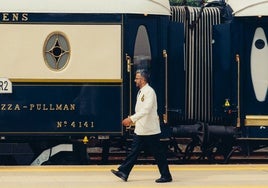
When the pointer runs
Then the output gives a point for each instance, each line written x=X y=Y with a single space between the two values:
x=52 y=107
x=38 y=107
x=15 y=17
x=74 y=124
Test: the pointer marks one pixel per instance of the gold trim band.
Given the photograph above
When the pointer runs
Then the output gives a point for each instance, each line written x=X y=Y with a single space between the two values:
x=255 y=120
x=68 y=80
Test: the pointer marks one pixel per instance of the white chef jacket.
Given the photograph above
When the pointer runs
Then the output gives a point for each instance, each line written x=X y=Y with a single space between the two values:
x=146 y=118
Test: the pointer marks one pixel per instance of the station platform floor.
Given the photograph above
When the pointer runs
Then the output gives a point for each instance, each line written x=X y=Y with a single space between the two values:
x=186 y=176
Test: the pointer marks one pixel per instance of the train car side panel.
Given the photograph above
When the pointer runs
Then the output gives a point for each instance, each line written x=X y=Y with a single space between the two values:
x=65 y=71
x=25 y=51
x=61 y=109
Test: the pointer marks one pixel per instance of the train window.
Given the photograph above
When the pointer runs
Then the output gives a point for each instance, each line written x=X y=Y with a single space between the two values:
x=142 y=51
x=259 y=44
x=56 y=51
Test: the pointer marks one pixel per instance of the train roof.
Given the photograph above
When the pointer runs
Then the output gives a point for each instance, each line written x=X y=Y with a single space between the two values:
x=243 y=8
x=158 y=7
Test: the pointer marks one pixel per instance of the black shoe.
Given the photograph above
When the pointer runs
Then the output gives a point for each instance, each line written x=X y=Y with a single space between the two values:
x=163 y=180
x=120 y=174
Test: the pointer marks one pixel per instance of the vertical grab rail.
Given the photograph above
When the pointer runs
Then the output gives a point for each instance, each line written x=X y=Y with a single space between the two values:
x=237 y=58
x=128 y=60
x=165 y=116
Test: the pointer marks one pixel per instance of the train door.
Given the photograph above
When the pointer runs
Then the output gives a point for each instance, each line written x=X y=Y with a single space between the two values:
x=255 y=78
x=144 y=45
x=223 y=64
x=176 y=74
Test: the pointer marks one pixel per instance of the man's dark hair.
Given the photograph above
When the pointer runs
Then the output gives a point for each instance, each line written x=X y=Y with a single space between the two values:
x=145 y=74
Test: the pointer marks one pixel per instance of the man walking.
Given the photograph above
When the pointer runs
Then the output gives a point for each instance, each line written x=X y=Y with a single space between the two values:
x=147 y=131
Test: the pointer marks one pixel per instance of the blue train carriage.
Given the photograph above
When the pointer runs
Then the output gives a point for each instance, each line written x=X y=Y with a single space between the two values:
x=251 y=19
x=241 y=56
x=217 y=93
x=67 y=70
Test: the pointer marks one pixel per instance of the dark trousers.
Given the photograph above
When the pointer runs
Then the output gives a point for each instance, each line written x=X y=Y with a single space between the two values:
x=151 y=142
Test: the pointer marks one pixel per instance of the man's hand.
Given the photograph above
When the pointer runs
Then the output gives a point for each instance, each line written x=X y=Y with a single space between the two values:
x=127 y=122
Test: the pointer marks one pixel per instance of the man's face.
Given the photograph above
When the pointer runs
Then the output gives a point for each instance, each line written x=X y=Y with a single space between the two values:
x=139 y=80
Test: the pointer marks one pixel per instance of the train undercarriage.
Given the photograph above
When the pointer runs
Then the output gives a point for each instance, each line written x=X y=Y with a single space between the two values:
x=185 y=144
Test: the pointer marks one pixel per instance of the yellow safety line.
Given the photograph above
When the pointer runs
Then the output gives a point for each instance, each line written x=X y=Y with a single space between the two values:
x=136 y=168
x=222 y=186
